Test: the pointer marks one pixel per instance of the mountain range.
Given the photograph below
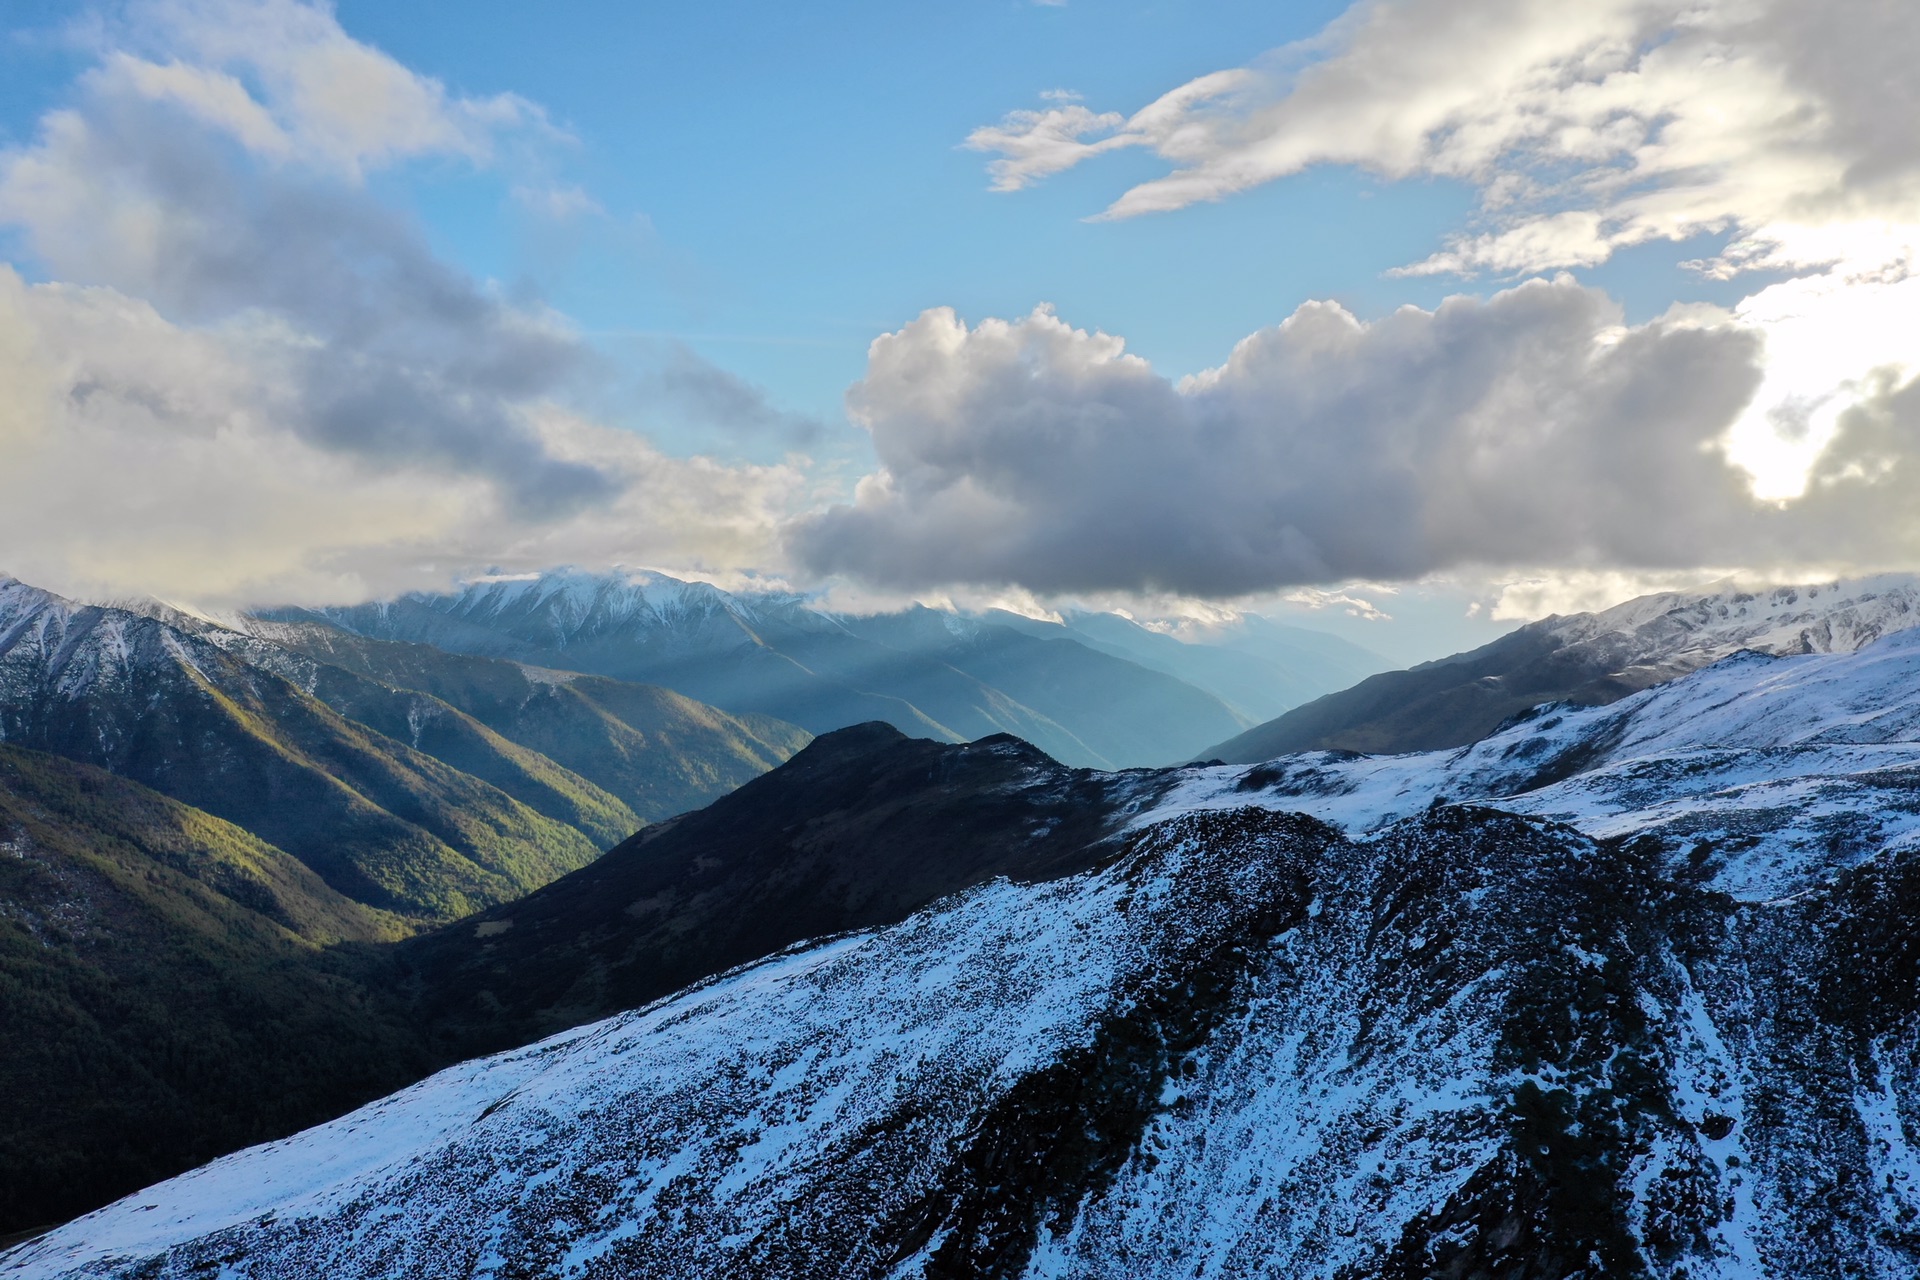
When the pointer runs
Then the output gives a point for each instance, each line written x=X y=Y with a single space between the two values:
x=1624 y=989
x=408 y=780
x=304 y=773
x=1587 y=658
x=1096 y=690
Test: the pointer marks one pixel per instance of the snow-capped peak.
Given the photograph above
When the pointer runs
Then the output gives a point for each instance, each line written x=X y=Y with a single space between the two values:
x=1830 y=617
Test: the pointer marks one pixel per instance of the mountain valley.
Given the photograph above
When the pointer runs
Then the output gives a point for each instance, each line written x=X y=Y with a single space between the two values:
x=1097 y=690
x=1622 y=989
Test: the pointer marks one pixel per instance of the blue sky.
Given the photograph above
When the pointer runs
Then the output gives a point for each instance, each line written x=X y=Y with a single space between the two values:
x=778 y=185
x=710 y=212
x=781 y=184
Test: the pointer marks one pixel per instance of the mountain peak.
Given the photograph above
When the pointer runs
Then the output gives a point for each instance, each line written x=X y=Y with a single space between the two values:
x=1821 y=617
x=1583 y=658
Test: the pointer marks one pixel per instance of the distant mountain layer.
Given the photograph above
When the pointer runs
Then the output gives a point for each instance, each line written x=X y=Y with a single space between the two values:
x=1258 y=667
x=1588 y=658
x=1627 y=990
x=400 y=799
x=1098 y=691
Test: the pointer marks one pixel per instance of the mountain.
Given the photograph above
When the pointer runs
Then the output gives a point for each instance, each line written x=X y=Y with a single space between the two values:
x=379 y=821
x=930 y=674
x=861 y=828
x=173 y=988
x=1628 y=991
x=139 y=936
x=1589 y=658
x=657 y=752
x=1127 y=712
x=395 y=797
x=1257 y=667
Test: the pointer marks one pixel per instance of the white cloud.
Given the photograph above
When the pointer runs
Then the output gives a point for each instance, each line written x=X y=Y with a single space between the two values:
x=1343 y=599
x=139 y=456
x=1781 y=128
x=1529 y=430
x=247 y=379
x=1035 y=144
x=284 y=79
x=1647 y=119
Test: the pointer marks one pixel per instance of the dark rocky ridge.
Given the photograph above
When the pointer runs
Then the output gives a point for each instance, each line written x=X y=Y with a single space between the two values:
x=1238 y=1044
x=860 y=829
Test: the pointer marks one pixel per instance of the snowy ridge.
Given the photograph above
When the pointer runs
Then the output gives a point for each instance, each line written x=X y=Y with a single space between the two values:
x=1589 y=659
x=575 y=594
x=724 y=1096
x=48 y=644
x=1805 y=763
x=1833 y=617
x=1247 y=1047
x=574 y=602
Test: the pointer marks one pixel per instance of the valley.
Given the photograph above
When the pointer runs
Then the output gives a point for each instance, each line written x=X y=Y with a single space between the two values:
x=1630 y=980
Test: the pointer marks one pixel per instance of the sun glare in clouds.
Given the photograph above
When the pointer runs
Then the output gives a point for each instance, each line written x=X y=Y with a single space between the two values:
x=1784 y=128
x=224 y=331
x=1829 y=336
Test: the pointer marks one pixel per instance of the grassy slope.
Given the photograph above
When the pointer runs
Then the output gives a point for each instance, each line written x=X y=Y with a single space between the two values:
x=382 y=823
x=655 y=751
x=167 y=990
x=451 y=736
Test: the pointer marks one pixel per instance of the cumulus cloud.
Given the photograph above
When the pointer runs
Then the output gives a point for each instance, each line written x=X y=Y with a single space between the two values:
x=1529 y=429
x=703 y=394
x=1781 y=130
x=245 y=375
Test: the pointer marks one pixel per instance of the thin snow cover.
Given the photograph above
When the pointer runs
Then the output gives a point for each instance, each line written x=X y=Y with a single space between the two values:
x=1243 y=1047
x=572 y=598
x=1689 y=628
x=1790 y=767
x=725 y=1097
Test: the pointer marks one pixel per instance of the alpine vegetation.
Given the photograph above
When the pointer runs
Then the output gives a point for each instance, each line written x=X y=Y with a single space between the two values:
x=1625 y=990
x=937 y=641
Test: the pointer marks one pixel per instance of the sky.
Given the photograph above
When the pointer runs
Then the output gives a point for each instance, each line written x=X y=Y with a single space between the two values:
x=1409 y=319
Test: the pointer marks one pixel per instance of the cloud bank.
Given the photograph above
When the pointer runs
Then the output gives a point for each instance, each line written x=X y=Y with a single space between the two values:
x=244 y=374
x=1778 y=132
x=234 y=374
x=1529 y=429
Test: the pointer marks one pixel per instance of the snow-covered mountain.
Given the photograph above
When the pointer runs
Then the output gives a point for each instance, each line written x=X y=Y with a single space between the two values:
x=1674 y=632
x=1585 y=658
x=410 y=780
x=1629 y=990
x=1781 y=770
x=1103 y=693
